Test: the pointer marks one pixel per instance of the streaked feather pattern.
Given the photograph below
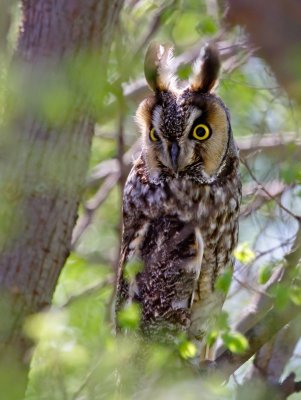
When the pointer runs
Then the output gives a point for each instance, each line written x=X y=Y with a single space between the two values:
x=180 y=218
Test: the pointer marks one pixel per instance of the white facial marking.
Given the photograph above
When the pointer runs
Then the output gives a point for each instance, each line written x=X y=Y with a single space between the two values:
x=156 y=118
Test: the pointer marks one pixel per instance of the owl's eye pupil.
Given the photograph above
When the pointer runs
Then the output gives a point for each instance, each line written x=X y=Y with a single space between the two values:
x=153 y=135
x=201 y=132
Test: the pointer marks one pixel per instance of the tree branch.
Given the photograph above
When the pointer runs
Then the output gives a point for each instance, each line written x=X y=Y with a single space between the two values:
x=271 y=359
x=42 y=168
x=296 y=217
x=272 y=320
x=257 y=336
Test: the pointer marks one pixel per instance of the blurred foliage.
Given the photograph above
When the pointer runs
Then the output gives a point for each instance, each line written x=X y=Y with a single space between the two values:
x=235 y=342
x=76 y=354
x=223 y=282
x=243 y=253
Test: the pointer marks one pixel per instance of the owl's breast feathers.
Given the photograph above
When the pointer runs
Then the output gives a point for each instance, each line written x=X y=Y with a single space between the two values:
x=182 y=233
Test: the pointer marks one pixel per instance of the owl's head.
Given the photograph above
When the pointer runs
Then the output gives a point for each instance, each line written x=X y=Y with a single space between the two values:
x=186 y=129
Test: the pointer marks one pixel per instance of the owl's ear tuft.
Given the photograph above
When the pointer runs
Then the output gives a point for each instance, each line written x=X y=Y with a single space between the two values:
x=158 y=68
x=206 y=70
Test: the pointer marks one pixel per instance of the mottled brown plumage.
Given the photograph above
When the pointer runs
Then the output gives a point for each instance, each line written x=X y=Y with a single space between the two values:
x=181 y=201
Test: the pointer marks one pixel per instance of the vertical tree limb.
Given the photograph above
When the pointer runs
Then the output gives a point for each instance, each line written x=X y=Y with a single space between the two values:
x=275 y=27
x=44 y=161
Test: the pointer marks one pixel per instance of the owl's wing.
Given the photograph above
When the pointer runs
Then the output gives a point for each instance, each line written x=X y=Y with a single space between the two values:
x=135 y=221
x=172 y=256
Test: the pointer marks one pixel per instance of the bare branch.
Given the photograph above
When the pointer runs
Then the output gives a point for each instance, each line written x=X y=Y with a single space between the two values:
x=297 y=217
x=290 y=386
x=275 y=189
x=269 y=143
x=108 y=167
x=92 y=205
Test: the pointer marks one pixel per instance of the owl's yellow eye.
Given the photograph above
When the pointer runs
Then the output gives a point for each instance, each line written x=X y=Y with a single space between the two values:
x=153 y=135
x=201 y=132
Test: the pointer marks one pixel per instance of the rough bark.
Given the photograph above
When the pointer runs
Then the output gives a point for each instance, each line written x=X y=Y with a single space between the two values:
x=43 y=162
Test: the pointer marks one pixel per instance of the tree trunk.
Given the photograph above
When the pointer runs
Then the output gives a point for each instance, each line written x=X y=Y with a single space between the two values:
x=274 y=26
x=44 y=156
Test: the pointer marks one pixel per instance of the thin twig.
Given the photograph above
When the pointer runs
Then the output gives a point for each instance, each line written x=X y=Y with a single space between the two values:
x=92 y=205
x=249 y=287
x=262 y=187
x=276 y=190
x=266 y=322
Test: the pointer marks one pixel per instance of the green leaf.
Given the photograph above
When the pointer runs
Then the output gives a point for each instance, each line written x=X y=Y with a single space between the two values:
x=211 y=337
x=129 y=317
x=46 y=325
x=290 y=172
x=206 y=26
x=187 y=349
x=132 y=268
x=295 y=295
x=244 y=253
x=282 y=295
x=223 y=282
x=222 y=321
x=265 y=273
x=235 y=342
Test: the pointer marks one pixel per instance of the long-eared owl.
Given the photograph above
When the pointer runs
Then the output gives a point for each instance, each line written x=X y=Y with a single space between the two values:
x=181 y=200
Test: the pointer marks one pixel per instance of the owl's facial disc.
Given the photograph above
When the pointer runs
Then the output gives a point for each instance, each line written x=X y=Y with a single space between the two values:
x=184 y=134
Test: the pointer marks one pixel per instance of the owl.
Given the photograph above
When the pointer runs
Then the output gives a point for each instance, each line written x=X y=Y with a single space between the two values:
x=181 y=201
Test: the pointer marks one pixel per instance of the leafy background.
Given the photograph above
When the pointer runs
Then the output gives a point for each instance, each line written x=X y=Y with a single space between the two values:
x=76 y=354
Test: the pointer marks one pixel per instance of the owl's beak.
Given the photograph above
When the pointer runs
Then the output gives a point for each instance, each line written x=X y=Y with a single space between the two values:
x=174 y=151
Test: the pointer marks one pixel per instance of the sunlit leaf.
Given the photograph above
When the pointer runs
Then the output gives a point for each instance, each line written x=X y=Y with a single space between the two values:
x=212 y=337
x=71 y=354
x=129 y=317
x=235 y=342
x=206 y=26
x=244 y=253
x=46 y=325
x=187 y=349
